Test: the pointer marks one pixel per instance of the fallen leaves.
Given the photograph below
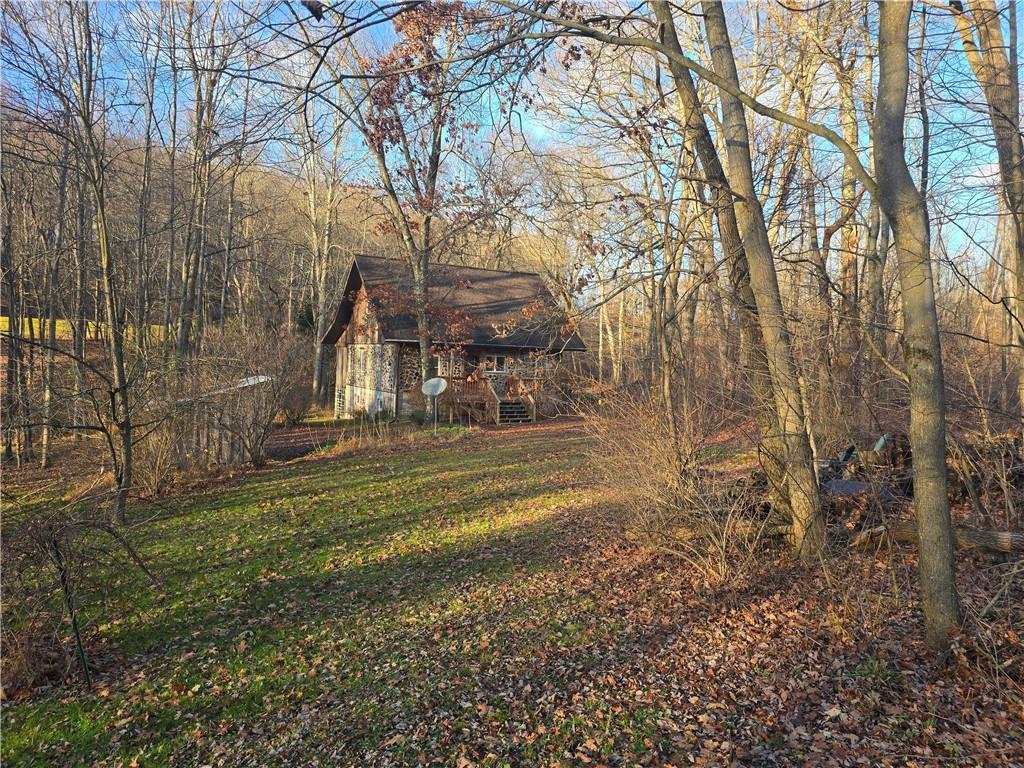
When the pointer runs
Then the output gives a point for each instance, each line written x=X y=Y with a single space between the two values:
x=497 y=617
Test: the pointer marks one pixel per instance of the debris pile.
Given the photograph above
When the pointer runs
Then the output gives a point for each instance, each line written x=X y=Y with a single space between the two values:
x=869 y=492
x=863 y=488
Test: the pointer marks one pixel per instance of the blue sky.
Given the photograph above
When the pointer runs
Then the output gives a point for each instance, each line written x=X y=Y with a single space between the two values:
x=962 y=160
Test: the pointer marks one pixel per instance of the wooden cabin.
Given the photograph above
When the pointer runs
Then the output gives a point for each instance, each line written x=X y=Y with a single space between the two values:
x=497 y=343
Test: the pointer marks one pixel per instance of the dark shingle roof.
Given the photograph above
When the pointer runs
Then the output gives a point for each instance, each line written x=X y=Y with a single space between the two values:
x=493 y=301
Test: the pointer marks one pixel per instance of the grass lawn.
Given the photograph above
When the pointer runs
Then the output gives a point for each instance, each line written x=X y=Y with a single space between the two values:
x=34 y=326
x=312 y=582
x=472 y=602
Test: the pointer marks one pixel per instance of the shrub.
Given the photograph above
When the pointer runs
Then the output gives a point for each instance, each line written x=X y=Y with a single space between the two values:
x=675 y=503
x=296 y=404
x=252 y=378
x=160 y=453
x=51 y=551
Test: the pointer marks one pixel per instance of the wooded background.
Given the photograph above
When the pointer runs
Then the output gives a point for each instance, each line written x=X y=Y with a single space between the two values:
x=808 y=215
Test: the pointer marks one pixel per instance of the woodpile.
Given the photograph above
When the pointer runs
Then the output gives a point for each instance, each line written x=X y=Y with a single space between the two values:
x=868 y=492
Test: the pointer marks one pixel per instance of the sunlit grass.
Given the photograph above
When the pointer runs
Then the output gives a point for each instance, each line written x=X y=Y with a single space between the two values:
x=282 y=589
x=34 y=326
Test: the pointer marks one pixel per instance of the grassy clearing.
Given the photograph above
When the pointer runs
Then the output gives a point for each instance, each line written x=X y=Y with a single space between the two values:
x=472 y=602
x=32 y=326
x=278 y=588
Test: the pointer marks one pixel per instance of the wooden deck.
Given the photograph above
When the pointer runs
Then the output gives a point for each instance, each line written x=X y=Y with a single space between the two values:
x=480 y=401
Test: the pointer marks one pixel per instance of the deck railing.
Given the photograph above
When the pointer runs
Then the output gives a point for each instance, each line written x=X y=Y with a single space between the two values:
x=462 y=389
x=493 y=402
x=463 y=392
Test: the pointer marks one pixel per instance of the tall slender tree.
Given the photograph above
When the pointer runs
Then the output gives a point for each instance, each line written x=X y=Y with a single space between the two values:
x=905 y=209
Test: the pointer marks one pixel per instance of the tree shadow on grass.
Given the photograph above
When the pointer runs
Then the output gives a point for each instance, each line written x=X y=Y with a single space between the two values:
x=509 y=461
x=278 y=537
x=481 y=537
x=288 y=513
x=462 y=554
x=276 y=617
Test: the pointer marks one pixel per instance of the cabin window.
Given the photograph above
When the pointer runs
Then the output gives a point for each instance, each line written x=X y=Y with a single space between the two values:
x=449 y=365
x=495 y=363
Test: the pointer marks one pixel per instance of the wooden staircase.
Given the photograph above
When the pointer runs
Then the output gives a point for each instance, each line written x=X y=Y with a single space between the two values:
x=481 y=402
x=513 y=412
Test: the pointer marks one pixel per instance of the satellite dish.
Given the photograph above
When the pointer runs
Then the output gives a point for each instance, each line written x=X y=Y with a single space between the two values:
x=434 y=387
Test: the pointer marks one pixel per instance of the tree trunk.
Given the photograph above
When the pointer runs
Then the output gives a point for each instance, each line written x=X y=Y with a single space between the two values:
x=119 y=401
x=620 y=341
x=52 y=294
x=420 y=298
x=752 y=351
x=79 y=327
x=997 y=73
x=13 y=341
x=172 y=152
x=905 y=209
x=808 y=534
x=142 y=217
x=821 y=327
x=848 y=324
x=602 y=320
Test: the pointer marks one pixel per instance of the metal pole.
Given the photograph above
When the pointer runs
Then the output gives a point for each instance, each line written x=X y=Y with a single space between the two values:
x=435 y=415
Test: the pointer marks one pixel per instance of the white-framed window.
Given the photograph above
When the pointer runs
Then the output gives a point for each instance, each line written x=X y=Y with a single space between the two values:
x=494 y=363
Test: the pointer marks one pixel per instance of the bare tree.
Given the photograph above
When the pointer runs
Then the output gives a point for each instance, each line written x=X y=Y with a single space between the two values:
x=808 y=526
x=995 y=66
x=905 y=209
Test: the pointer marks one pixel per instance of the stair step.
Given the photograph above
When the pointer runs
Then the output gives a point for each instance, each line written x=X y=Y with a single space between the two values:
x=512 y=412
